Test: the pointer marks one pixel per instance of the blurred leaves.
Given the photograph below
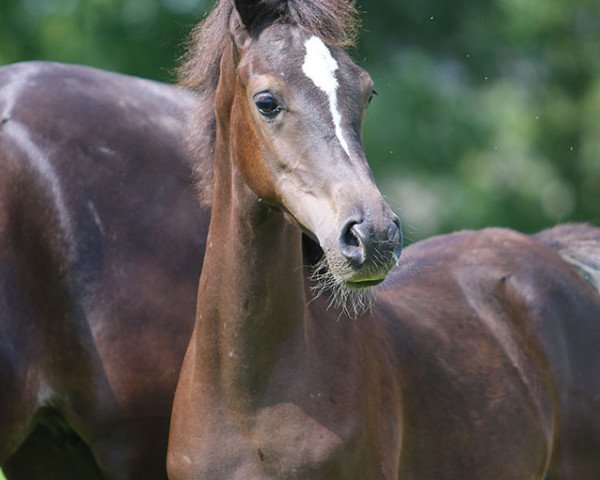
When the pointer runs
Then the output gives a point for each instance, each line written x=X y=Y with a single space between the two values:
x=488 y=114
x=140 y=37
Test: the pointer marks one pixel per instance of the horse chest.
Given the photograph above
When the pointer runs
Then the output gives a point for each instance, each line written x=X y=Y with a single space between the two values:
x=285 y=441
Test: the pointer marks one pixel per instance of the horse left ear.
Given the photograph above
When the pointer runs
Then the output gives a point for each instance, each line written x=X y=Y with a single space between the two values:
x=238 y=31
x=252 y=16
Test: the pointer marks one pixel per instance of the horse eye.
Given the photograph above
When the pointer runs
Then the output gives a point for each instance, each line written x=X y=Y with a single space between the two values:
x=267 y=104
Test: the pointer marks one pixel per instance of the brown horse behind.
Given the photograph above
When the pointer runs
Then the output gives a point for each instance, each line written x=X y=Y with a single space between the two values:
x=101 y=244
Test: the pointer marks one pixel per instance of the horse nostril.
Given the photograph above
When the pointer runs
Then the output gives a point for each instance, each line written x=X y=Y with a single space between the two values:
x=362 y=243
x=349 y=237
x=395 y=232
x=351 y=244
x=395 y=238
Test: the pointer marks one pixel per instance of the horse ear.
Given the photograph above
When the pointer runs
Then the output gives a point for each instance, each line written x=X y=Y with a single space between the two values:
x=253 y=15
x=246 y=10
x=238 y=31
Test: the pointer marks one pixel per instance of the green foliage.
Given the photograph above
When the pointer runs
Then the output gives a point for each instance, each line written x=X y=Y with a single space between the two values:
x=140 y=37
x=488 y=111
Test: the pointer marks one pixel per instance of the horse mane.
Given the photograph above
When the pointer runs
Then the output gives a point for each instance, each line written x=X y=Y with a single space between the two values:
x=334 y=21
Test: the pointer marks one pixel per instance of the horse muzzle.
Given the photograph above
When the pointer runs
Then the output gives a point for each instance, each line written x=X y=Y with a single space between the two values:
x=370 y=249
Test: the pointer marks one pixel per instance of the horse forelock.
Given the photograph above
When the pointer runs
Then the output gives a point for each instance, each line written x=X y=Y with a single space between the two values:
x=333 y=21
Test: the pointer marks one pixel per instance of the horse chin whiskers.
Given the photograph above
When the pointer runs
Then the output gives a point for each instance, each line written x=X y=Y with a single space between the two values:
x=329 y=276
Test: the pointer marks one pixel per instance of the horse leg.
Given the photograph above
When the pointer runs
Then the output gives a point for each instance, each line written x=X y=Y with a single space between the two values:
x=15 y=413
x=119 y=451
x=18 y=400
x=51 y=455
x=31 y=445
x=132 y=449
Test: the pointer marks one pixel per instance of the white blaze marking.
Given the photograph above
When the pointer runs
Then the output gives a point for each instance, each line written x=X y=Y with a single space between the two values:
x=320 y=67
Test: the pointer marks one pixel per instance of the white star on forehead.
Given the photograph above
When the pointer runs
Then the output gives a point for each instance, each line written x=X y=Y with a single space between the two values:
x=320 y=67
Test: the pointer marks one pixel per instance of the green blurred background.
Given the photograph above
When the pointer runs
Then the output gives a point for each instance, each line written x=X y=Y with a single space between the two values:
x=488 y=113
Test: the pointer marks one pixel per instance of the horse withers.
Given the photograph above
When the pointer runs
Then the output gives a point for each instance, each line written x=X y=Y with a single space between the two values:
x=475 y=360
x=101 y=244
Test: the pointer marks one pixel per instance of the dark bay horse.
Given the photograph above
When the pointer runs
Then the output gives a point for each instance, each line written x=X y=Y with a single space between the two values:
x=478 y=359
x=101 y=244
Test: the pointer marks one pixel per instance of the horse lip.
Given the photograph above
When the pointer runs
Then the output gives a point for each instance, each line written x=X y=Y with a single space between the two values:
x=362 y=284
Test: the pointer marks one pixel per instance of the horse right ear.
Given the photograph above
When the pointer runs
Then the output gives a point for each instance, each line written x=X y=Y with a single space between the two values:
x=249 y=16
x=246 y=10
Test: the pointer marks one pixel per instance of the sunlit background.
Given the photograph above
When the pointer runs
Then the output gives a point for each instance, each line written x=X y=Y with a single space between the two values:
x=488 y=112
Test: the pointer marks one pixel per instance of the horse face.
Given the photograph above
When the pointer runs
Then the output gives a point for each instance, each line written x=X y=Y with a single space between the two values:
x=297 y=114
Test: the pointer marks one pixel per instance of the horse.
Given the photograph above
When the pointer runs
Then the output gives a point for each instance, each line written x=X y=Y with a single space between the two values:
x=101 y=243
x=479 y=346
x=477 y=359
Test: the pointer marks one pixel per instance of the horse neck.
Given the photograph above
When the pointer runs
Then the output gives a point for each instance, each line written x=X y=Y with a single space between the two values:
x=251 y=297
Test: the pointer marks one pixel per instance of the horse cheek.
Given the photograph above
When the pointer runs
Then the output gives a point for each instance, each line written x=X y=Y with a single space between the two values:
x=251 y=157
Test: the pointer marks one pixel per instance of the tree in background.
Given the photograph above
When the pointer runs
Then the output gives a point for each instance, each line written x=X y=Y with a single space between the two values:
x=488 y=113
x=490 y=110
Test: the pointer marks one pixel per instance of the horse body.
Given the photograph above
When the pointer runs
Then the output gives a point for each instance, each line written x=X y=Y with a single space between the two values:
x=98 y=223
